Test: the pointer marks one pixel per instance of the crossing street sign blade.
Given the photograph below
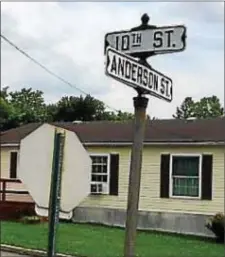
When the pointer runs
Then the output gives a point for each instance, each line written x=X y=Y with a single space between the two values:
x=159 y=40
x=129 y=71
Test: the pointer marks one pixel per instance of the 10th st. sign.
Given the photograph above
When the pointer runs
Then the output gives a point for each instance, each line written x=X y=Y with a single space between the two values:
x=157 y=40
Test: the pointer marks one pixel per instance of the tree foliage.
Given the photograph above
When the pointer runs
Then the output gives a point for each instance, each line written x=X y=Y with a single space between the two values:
x=8 y=117
x=6 y=113
x=206 y=107
x=27 y=105
x=71 y=108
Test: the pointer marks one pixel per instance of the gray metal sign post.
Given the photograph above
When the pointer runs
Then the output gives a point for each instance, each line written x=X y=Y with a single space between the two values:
x=121 y=50
x=54 y=199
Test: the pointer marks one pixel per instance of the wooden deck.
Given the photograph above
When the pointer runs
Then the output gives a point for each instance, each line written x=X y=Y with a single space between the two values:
x=14 y=200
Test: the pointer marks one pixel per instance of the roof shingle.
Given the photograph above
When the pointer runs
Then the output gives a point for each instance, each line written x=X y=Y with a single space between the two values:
x=172 y=130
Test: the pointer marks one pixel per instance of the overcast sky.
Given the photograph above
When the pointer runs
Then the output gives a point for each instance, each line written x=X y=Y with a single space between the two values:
x=68 y=38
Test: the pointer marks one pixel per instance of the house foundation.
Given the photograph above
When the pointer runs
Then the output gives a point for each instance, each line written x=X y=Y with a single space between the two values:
x=182 y=223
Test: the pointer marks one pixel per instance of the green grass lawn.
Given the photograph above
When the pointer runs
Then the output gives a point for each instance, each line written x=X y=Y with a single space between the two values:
x=99 y=241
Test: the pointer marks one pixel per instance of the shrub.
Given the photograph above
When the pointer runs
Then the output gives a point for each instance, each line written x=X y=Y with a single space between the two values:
x=216 y=224
x=31 y=219
x=23 y=211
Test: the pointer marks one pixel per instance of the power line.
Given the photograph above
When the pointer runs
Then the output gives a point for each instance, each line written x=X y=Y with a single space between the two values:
x=49 y=71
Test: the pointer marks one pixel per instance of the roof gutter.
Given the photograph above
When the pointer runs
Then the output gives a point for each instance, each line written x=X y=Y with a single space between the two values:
x=152 y=143
x=10 y=145
x=212 y=143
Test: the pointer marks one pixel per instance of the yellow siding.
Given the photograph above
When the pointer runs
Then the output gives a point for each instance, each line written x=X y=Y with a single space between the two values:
x=5 y=173
x=5 y=160
x=108 y=200
x=150 y=182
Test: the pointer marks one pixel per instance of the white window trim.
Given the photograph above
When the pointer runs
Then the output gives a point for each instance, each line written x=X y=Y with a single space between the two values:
x=108 y=169
x=200 y=175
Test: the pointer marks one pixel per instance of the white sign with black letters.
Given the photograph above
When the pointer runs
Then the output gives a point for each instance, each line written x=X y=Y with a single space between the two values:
x=128 y=70
x=158 y=40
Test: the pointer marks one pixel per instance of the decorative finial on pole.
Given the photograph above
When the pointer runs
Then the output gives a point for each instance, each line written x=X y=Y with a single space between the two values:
x=145 y=18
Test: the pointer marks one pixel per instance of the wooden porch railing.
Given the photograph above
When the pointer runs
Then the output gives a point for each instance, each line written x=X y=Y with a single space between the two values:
x=14 y=200
x=6 y=188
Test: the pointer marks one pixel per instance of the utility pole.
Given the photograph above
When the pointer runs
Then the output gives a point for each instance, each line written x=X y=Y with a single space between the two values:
x=140 y=105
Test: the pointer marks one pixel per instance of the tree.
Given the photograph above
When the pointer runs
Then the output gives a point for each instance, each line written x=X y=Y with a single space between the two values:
x=71 y=108
x=186 y=109
x=51 y=112
x=22 y=107
x=124 y=116
x=206 y=107
x=94 y=108
x=8 y=112
x=27 y=105
x=4 y=93
x=5 y=108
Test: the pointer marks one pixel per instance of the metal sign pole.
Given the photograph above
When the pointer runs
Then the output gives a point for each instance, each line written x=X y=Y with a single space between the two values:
x=121 y=50
x=54 y=200
x=140 y=105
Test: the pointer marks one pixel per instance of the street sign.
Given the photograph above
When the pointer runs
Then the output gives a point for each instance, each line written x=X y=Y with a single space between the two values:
x=121 y=50
x=35 y=168
x=158 y=40
x=128 y=70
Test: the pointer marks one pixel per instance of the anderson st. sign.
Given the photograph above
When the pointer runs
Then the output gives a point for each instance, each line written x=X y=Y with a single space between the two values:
x=128 y=70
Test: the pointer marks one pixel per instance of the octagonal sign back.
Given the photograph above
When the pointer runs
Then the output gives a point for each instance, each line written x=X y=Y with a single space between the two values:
x=35 y=168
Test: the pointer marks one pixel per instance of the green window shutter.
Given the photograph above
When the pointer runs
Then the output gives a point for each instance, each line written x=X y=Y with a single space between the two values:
x=164 y=175
x=114 y=174
x=207 y=168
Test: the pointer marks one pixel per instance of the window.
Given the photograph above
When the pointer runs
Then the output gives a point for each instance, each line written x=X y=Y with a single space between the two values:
x=100 y=174
x=13 y=165
x=185 y=176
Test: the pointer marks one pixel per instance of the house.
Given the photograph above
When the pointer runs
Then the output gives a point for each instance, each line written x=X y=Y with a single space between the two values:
x=182 y=181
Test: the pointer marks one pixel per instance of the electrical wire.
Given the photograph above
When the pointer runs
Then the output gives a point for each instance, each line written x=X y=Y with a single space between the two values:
x=75 y=87
x=49 y=71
